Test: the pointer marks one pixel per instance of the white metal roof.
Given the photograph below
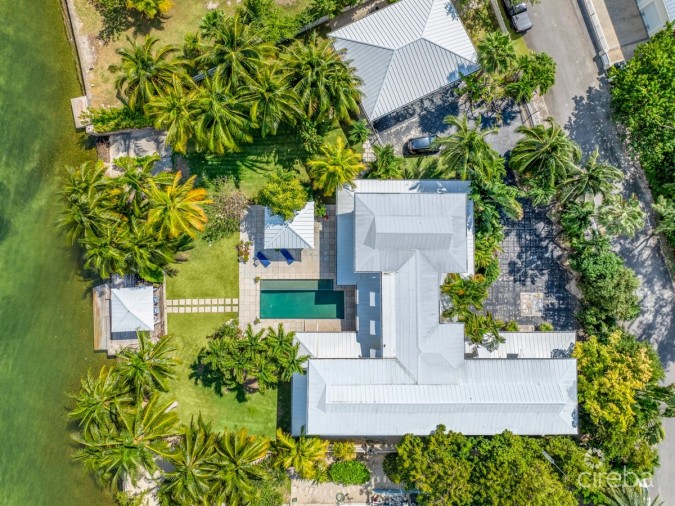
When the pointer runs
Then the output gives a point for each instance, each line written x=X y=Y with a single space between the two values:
x=670 y=8
x=405 y=52
x=328 y=344
x=528 y=345
x=424 y=377
x=131 y=309
x=297 y=233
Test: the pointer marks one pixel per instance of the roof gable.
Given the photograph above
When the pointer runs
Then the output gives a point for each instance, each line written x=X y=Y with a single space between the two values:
x=297 y=233
x=131 y=309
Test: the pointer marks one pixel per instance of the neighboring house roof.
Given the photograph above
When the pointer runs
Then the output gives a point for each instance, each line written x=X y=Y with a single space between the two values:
x=670 y=9
x=405 y=52
x=131 y=309
x=297 y=233
x=424 y=377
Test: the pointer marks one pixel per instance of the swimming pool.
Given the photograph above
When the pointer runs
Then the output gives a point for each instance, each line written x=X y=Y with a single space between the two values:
x=300 y=299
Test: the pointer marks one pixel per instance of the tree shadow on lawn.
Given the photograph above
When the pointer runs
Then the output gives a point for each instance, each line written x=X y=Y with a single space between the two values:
x=208 y=377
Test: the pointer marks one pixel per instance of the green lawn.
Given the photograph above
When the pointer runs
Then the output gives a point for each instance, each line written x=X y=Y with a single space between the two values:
x=258 y=414
x=250 y=167
x=212 y=270
x=479 y=18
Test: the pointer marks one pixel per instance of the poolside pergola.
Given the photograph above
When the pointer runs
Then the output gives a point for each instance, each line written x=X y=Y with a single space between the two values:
x=297 y=233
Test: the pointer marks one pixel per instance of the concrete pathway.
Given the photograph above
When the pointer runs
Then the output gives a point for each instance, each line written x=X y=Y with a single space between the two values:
x=206 y=305
x=580 y=101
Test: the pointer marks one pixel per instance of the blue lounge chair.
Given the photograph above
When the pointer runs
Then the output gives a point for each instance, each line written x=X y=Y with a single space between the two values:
x=289 y=258
x=263 y=259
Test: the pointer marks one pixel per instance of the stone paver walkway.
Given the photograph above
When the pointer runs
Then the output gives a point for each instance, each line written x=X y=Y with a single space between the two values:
x=206 y=305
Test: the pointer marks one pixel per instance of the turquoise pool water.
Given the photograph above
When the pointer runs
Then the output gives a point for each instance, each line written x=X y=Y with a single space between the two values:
x=300 y=300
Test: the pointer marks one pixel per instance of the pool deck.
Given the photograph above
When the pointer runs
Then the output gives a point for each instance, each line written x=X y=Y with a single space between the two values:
x=316 y=263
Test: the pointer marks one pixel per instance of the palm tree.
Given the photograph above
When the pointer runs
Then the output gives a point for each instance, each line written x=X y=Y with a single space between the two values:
x=537 y=70
x=239 y=466
x=359 y=132
x=100 y=399
x=252 y=342
x=150 y=8
x=130 y=189
x=235 y=49
x=102 y=254
x=291 y=363
x=145 y=72
x=576 y=218
x=272 y=99
x=194 y=470
x=595 y=178
x=665 y=210
x=630 y=496
x=496 y=53
x=149 y=367
x=177 y=208
x=147 y=255
x=386 y=165
x=335 y=167
x=327 y=87
x=222 y=121
x=210 y=23
x=85 y=201
x=545 y=156
x=466 y=153
x=278 y=342
x=265 y=368
x=303 y=454
x=622 y=217
x=114 y=453
x=501 y=195
x=173 y=111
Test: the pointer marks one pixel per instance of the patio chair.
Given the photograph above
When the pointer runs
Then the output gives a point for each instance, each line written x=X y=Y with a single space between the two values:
x=289 y=258
x=263 y=259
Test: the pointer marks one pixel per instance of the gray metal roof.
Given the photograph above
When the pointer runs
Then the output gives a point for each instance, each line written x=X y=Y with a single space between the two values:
x=131 y=309
x=297 y=233
x=423 y=377
x=405 y=52
x=670 y=9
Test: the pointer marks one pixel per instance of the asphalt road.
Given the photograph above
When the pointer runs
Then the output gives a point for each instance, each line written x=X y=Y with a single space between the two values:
x=580 y=101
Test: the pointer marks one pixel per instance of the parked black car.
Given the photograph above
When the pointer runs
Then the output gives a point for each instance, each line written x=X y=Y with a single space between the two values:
x=423 y=146
x=517 y=12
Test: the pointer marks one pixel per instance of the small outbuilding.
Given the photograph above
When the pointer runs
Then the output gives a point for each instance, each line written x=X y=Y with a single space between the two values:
x=405 y=52
x=296 y=233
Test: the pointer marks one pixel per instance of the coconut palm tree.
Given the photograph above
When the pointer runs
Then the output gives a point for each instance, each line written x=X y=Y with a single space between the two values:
x=630 y=496
x=239 y=466
x=496 y=53
x=334 y=167
x=129 y=190
x=386 y=165
x=504 y=197
x=622 y=217
x=537 y=70
x=594 y=178
x=177 y=209
x=85 y=201
x=327 y=87
x=145 y=72
x=466 y=154
x=147 y=255
x=303 y=454
x=150 y=8
x=194 y=470
x=114 y=453
x=147 y=368
x=272 y=99
x=359 y=132
x=545 y=156
x=102 y=254
x=222 y=118
x=234 y=48
x=100 y=399
x=173 y=111
x=665 y=210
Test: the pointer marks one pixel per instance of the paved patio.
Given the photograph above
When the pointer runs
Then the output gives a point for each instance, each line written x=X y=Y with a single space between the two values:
x=533 y=285
x=316 y=263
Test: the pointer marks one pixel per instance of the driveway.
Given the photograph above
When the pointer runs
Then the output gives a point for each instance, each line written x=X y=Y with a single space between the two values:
x=580 y=101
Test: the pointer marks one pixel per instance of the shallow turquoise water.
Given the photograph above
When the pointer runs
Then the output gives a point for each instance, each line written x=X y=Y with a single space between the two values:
x=45 y=310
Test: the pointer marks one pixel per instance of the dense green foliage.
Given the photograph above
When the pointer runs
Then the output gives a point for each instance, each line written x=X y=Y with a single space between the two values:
x=305 y=455
x=386 y=165
x=343 y=450
x=349 y=472
x=643 y=101
x=248 y=361
x=134 y=223
x=450 y=468
x=110 y=119
x=283 y=194
x=335 y=166
x=226 y=210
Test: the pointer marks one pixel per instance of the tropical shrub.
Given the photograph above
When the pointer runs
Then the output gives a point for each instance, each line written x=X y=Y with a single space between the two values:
x=349 y=472
x=305 y=455
x=359 y=132
x=110 y=119
x=335 y=167
x=545 y=327
x=226 y=211
x=271 y=21
x=150 y=8
x=386 y=165
x=343 y=450
x=283 y=194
